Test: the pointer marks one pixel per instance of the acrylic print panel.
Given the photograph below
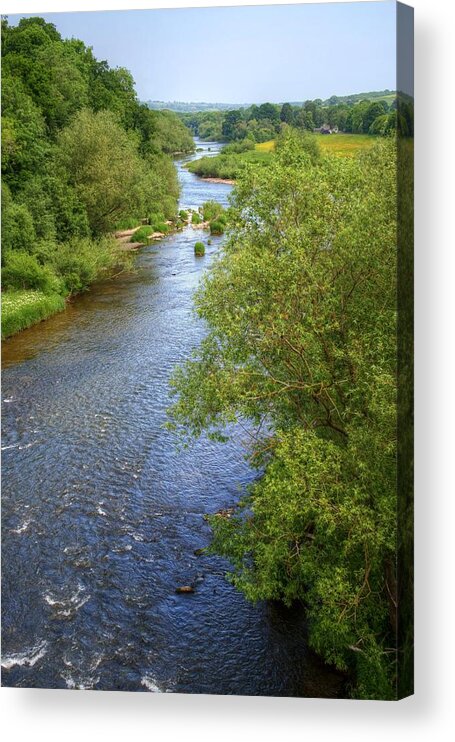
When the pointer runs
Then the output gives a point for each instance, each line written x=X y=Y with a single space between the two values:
x=207 y=350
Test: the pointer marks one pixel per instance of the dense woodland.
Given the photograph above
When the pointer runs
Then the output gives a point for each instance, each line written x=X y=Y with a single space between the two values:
x=81 y=156
x=262 y=123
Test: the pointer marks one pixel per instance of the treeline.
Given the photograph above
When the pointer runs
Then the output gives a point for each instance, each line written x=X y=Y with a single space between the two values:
x=301 y=343
x=80 y=155
x=189 y=107
x=264 y=122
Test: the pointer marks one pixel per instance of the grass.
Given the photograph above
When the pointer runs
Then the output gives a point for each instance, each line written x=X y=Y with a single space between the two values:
x=266 y=146
x=127 y=223
x=21 y=309
x=344 y=145
x=257 y=157
x=228 y=166
x=142 y=234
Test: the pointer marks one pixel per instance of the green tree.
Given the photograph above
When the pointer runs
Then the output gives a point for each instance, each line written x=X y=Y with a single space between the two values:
x=304 y=120
x=302 y=342
x=286 y=113
x=79 y=154
x=230 y=123
x=101 y=162
x=372 y=112
x=268 y=111
x=25 y=148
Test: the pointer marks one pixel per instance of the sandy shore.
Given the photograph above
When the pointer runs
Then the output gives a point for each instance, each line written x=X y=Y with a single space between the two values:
x=220 y=180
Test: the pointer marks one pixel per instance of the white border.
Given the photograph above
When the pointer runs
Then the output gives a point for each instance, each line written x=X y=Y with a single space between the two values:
x=79 y=716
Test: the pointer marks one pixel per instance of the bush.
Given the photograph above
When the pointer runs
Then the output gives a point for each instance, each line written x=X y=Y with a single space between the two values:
x=169 y=206
x=217 y=227
x=158 y=223
x=23 y=271
x=82 y=261
x=199 y=249
x=142 y=234
x=18 y=232
x=237 y=147
x=211 y=210
x=44 y=251
x=196 y=219
x=156 y=217
x=295 y=146
x=127 y=223
x=183 y=215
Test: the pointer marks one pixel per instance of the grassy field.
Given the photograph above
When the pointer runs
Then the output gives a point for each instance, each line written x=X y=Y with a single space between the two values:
x=20 y=309
x=346 y=145
x=266 y=146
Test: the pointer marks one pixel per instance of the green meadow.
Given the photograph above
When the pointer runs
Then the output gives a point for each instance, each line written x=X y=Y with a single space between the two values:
x=20 y=309
x=346 y=145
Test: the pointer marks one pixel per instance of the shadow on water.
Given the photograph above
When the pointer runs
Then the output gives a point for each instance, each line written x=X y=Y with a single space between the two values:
x=102 y=512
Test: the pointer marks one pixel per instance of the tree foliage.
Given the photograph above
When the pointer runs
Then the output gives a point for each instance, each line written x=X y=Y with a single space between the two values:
x=301 y=345
x=80 y=153
x=264 y=122
x=101 y=161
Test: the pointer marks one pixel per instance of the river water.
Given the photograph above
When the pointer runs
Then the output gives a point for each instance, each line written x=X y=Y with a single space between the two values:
x=102 y=512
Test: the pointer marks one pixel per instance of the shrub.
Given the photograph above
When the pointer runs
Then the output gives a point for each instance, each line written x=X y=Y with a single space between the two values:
x=199 y=249
x=142 y=234
x=44 y=251
x=183 y=215
x=211 y=210
x=23 y=271
x=196 y=219
x=158 y=223
x=156 y=218
x=237 y=147
x=127 y=223
x=18 y=232
x=82 y=261
x=169 y=206
x=216 y=227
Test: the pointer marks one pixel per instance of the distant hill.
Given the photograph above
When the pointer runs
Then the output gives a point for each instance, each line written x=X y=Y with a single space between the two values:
x=193 y=107
x=387 y=95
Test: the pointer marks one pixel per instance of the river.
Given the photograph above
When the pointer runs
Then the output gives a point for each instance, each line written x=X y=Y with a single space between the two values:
x=102 y=512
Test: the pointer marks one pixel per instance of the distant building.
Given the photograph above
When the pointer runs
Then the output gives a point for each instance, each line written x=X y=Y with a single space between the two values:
x=326 y=129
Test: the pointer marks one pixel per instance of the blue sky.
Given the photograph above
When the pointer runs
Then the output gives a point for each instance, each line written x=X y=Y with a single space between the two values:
x=244 y=54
